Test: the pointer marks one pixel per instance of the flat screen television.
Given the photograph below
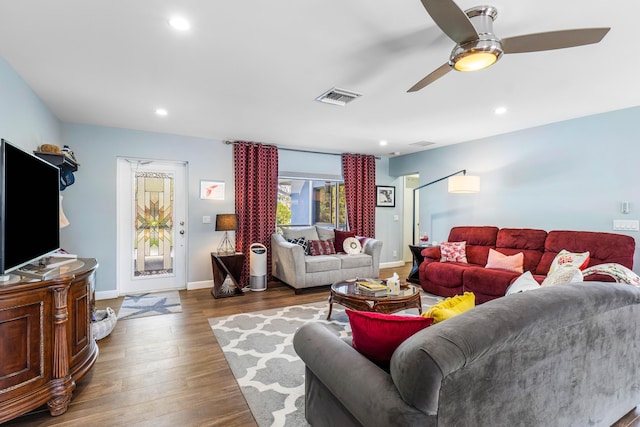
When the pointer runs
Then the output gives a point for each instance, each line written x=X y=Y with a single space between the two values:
x=29 y=208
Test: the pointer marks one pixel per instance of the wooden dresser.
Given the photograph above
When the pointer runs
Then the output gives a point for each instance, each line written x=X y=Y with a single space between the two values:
x=46 y=344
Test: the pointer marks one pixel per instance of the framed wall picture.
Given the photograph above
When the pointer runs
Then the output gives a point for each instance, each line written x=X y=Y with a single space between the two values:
x=385 y=196
x=211 y=190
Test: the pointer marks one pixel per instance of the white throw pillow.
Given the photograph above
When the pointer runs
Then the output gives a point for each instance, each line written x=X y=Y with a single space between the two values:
x=563 y=275
x=525 y=282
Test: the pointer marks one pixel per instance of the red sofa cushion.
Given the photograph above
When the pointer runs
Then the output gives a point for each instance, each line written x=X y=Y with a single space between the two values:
x=529 y=241
x=479 y=240
x=488 y=283
x=602 y=247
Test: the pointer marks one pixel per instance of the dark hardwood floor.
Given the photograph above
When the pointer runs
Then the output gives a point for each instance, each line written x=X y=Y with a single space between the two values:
x=169 y=370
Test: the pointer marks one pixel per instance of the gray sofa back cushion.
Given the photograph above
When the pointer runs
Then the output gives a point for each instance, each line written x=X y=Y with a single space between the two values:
x=309 y=233
x=527 y=349
x=325 y=233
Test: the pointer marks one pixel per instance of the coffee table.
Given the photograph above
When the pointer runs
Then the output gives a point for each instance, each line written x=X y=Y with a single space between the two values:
x=345 y=293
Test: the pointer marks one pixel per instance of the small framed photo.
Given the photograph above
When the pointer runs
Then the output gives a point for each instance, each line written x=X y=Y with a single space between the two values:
x=385 y=196
x=211 y=190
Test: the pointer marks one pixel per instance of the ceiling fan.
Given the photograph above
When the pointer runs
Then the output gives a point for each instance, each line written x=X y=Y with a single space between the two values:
x=476 y=45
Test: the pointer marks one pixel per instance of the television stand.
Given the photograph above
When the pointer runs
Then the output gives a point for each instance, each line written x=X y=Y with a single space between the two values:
x=48 y=323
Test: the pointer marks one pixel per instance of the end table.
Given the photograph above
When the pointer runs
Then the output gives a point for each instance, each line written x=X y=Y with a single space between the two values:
x=226 y=270
x=417 y=259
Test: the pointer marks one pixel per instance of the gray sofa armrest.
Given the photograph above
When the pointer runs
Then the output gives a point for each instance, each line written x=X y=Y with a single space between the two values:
x=287 y=261
x=362 y=387
x=373 y=247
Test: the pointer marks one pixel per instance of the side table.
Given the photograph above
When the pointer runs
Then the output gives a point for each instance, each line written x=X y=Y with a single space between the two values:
x=226 y=266
x=413 y=276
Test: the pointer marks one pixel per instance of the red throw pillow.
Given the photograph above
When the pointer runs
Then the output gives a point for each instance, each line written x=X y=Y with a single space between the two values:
x=321 y=247
x=377 y=335
x=340 y=236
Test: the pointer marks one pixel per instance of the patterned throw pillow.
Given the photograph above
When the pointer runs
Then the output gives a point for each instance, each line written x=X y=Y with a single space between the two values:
x=453 y=252
x=565 y=274
x=302 y=242
x=505 y=262
x=321 y=247
x=569 y=259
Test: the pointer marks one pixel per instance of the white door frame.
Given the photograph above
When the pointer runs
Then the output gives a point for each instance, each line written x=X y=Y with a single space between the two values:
x=126 y=282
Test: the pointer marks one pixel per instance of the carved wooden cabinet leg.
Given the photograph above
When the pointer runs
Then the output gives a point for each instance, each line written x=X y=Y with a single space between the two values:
x=63 y=389
x=59 y=404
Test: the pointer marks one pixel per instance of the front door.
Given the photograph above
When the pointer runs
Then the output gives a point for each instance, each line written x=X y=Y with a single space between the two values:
x=151 y=226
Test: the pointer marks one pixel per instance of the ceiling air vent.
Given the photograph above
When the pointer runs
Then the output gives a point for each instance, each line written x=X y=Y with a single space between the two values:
x=338 y=96
x=422 y=144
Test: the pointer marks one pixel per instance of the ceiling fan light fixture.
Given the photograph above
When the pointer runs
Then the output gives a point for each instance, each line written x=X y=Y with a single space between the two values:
x=475 y=55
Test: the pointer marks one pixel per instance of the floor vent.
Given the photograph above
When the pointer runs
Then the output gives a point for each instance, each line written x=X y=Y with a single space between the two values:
x=338 y=96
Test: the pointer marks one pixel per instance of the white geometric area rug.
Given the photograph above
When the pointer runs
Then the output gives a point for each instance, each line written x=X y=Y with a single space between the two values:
x=259 y=349
x=150 y=304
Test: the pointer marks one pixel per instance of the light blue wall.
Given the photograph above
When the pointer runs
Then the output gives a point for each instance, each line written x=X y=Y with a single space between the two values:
x=24 y=119
x=90 y=204
x=569 y=175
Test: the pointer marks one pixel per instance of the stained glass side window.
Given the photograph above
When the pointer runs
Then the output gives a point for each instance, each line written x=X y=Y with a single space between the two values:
x=153 y=223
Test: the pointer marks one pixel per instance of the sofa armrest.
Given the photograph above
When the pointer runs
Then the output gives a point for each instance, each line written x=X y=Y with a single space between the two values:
x=373 y=247
x=432 y=254
x=287 y=261
x=362 y=387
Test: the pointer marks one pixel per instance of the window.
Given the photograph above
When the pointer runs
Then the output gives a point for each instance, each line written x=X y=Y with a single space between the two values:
x=304 y=202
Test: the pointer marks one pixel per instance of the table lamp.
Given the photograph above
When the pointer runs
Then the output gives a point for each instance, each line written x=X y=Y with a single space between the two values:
x=226 y=223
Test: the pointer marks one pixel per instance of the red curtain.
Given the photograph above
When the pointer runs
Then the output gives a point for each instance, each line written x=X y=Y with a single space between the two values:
x=256 y=183
x=359 y=174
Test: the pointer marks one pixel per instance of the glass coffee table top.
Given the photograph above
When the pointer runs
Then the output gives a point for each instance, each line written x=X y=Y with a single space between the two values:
x=347 y=294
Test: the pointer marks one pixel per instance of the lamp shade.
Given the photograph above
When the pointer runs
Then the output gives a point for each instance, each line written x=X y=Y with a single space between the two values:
x=226 y=222
x=464 y=184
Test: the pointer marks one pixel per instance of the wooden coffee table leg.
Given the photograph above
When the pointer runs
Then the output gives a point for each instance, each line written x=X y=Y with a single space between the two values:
x=330 y=306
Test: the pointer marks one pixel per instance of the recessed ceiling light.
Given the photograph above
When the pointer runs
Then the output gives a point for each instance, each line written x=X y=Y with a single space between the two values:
x=383 y=143
x=161 y=112
x=500 y=110
x=179 y=23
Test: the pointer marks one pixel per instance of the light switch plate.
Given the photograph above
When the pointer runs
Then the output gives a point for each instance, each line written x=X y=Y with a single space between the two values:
x=206 y=219
x=626 y=224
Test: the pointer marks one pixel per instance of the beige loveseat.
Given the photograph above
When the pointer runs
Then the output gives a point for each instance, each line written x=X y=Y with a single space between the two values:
x=291 y=265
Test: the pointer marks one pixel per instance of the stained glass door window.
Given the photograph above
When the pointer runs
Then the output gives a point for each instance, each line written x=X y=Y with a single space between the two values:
x=153 y=223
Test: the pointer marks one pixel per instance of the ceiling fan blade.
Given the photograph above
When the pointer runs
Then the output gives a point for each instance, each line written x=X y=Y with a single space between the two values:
x=451 y=20
x=435 y=75
x=553 y=40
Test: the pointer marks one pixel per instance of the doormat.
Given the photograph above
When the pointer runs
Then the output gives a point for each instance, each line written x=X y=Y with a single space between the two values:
x=149 y=304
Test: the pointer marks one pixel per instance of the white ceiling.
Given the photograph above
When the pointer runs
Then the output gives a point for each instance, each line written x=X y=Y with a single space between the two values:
x=251 y=69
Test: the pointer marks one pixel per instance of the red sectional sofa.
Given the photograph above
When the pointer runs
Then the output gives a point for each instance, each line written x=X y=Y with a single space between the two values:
x=539 y=248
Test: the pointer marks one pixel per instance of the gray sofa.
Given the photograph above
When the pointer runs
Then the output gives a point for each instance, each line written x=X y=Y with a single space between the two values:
x=565 y=355
x=290 y=264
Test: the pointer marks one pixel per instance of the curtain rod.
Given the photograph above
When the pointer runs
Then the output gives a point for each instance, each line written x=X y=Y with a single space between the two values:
x=227 y=142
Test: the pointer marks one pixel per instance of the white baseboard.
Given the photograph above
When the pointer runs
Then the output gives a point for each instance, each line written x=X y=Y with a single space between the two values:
x=100 y=295
x=391 y=264
x=200 y=285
